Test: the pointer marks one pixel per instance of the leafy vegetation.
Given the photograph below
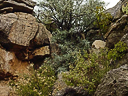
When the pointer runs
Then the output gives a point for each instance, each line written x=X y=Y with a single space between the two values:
x=68 y=20
x=67 y=14
x=70 y=44
x=39 y=83
x=125 y=8
x=118 y=51
x=88 y=70
x=102 y=19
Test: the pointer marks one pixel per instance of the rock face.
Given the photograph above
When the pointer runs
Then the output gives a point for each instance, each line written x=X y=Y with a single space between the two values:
x=116 y=31
x=119 y=25
x=16 y=6
x=115 y=83
x=21 y=33
x=22 y=38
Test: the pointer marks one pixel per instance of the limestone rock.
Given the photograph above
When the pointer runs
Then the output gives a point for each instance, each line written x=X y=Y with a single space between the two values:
x=40 y=52
x=116 y=31
x=18 y=5
x=10 y=65
x=98 y=44
x=115 y=83
x=19 y=32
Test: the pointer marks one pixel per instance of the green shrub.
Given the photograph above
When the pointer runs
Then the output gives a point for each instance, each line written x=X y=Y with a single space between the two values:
x=39 y=83
x=88 y=70
x=125 y=8
x=70 y=44
x=102 y=19
x=118 y=52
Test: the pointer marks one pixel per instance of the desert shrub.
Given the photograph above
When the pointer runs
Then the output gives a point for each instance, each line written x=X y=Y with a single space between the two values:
x=70 y=44
x=103 y=19
x=88 y=70
x=118 y=51
x=39 y=83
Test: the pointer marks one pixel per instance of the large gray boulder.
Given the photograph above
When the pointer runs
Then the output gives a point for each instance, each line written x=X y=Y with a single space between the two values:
x=114 y=83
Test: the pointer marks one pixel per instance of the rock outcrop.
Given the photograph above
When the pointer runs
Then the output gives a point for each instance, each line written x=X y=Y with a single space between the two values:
x=119 y=25
x=22 y=38
x=116 y=31
x=16 y=6
x=115 y=83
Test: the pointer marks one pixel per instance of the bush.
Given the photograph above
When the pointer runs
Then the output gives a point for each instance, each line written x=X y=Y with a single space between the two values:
x=70 y=44
x=103 y=19
x=39 y=83
x=118 y=52
x=88 y=70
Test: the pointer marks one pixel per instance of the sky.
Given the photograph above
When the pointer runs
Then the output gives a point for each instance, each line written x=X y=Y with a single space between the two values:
x=110 y=5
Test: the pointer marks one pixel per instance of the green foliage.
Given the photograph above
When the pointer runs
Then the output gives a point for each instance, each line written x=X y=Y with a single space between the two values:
x=125 y=8
x=69 y=44
x=67 y=14
x=102 y=19
x=39 y=83
x=118 y=51
x=88 y=70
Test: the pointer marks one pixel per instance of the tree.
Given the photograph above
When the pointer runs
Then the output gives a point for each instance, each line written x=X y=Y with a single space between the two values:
x=67 y=14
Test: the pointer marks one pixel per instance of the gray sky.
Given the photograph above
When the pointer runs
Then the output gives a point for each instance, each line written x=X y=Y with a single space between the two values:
x=111 y=3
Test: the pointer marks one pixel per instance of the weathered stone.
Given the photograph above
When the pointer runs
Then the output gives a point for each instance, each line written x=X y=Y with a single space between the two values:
x=19 y=28
x=116 y=31
x=42 y=51
x=18 y=5
x=6 y=10
x=10 y=65
x=27 y=2
x=43 y=37
x=115 y=83
x=39 y=52
x=20 y=33
x=98 y=44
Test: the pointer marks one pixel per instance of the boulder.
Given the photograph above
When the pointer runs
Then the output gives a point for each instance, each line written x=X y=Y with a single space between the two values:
x=21 y=34
x=98 y=44
x=114 y=83
x=116 y=31
x=18 y=5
